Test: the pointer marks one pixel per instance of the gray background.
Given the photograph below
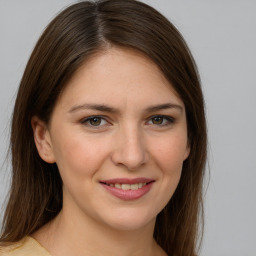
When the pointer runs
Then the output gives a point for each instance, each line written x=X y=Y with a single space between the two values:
x=222 y=37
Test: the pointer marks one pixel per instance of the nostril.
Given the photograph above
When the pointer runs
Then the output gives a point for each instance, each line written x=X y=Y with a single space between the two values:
x=129 y=151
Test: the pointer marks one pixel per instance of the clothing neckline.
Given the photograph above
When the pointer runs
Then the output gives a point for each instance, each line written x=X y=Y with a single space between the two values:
x=33 y=240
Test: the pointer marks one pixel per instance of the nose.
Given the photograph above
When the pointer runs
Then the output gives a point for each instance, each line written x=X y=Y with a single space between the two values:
x=129 y=149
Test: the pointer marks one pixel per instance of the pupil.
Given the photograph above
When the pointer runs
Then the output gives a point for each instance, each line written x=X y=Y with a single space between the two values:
x=157 y=120
x=95 y=121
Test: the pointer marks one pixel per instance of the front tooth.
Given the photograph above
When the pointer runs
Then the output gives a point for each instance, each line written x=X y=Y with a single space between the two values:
x=134 y=186
x=144 y=184
x=117 y=185
x=140 y=185
x=126 y=186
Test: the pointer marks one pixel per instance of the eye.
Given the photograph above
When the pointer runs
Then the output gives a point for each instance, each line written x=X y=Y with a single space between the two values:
x=157 y=120
x=161 y=120
x=96 y=121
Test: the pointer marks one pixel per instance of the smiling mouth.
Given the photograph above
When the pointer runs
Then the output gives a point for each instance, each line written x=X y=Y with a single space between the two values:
x=124 y=186
x=127 y=184
x=128 y=189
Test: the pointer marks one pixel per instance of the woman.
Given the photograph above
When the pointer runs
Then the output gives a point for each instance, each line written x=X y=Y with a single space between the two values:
x=108 y=138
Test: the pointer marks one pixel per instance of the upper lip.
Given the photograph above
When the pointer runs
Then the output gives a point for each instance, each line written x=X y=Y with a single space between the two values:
x=127 y=181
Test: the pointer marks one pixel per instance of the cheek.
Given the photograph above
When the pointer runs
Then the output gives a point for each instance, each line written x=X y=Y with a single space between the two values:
x=170 y=157
x=171 y=153
x=79 y=156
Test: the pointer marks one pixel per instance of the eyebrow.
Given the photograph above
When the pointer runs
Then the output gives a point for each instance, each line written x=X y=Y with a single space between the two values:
x=164 y=106
x=105 y=108
x=99 y=107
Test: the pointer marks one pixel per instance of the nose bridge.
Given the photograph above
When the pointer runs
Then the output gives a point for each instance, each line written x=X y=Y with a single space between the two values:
x=130 y=148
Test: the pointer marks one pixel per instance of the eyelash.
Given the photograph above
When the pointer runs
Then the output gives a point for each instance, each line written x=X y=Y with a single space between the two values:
x=87 y=120
x=168 y=121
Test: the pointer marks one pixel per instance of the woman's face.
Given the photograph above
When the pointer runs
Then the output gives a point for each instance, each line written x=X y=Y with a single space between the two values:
x=118 y=134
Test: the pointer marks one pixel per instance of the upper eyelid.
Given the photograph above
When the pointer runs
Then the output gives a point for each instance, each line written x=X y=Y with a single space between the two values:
x=108 y=120
x=90 y=117
x=163 y=116
x=87 y=119
x=169 y=119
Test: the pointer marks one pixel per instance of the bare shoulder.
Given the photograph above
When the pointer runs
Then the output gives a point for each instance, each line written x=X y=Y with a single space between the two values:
x=25 y=247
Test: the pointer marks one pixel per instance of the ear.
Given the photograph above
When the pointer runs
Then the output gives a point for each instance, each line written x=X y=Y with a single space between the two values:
x=187 y=151
x=42 y=140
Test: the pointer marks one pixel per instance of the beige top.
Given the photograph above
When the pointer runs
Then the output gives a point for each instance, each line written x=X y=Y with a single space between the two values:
x=26 y=247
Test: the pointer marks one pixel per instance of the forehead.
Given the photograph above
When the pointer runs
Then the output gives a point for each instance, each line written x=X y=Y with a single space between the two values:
x=119 y=76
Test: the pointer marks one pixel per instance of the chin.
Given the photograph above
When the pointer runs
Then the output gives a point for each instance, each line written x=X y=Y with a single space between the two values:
x=127 y=220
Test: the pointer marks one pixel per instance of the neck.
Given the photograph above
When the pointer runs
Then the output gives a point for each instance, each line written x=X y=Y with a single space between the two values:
x=72 y=236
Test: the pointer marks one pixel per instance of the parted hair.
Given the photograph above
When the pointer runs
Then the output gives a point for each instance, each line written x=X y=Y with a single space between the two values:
x=78 y=32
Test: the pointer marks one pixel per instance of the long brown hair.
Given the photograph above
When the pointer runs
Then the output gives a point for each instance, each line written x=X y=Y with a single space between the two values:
x=77 y=33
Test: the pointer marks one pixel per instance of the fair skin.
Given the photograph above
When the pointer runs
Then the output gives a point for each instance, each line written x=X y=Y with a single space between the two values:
x=118 y=118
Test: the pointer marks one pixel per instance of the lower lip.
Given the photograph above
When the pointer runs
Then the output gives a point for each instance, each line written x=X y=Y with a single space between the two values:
x=128 y=194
